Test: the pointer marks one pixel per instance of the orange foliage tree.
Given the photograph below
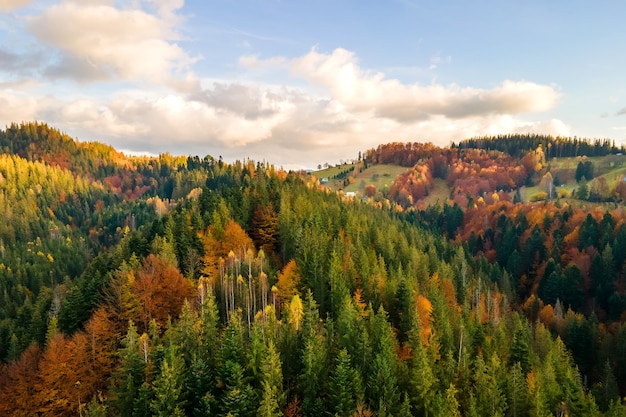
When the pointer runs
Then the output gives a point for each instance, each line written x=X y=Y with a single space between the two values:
x=64 y=381
x=217 y=247
x=161 y=289
x=16 y=384
x=288 y=281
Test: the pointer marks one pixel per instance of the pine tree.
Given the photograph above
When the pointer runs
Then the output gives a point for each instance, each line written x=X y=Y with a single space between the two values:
x=346 y=389
x=520 y=351
x=209 y=332
x=168 y=386
x=448 y=405
x=606 y=390
x=517 y=391
x=313 y=377
x=53 y=329
x=383 y=390
x=490 y=400
x=238 y=397
x=128 y=377
x=422 y=381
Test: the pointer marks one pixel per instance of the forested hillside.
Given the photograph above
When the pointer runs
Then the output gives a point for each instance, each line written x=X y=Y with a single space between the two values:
x=191 y=287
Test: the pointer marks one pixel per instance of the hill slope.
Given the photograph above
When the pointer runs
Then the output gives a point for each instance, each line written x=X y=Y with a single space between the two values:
x=260 y=295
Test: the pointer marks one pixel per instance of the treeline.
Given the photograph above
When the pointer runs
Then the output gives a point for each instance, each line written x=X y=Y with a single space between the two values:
x=36 y=141
x=263 y=296
x=517 y=145
x=127 y=177
x=405 y=154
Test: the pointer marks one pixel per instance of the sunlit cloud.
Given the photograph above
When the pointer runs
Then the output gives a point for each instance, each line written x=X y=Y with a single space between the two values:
x=325 y=107
x=97 y=40
x=9 y=5
x=361 y=90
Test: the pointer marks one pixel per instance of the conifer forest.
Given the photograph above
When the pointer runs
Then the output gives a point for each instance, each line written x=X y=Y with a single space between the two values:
x=487 y=279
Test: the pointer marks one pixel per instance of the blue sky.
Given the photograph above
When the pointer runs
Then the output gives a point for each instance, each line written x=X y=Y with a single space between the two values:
x=300 y=83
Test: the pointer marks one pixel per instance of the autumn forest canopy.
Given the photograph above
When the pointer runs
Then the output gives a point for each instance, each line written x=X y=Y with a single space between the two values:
x=486 y=279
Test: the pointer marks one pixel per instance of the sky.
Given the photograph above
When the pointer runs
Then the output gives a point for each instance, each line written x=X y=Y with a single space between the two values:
x=301 y=83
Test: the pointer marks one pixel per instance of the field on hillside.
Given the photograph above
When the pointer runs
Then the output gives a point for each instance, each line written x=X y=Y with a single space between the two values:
x=382 y=176
x=332 y=171
x=439 y=194
x=565 y=168
x=610 y=167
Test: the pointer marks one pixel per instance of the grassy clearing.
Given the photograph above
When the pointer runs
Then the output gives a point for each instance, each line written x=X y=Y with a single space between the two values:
x=615 y=174
x=565 y=168
x=332 y=171
x=382 y=176
x=528 y=192
x=610 y=167
x=439 y=194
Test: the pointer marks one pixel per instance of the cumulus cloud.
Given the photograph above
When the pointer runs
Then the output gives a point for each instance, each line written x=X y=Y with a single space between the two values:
x=9 y=5
x=248 y=101
x=301 y=130
x=331 y=109
x=98 y=40
x=341 y=75
x=621 y=112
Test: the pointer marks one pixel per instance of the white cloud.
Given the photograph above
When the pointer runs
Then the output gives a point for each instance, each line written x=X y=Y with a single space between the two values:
x=98 y=41
x=337 y=109
x=300 y=130
x=9 y=5
x=340 y=74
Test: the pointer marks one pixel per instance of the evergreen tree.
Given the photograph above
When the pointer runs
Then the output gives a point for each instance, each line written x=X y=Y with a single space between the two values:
x=129 y=376
x=490 y=400
x=422 y=381
x=346 y=389
x=606 y=391
x=520 y=351
x=272 y=395
x=383 y=389
x=517 y=391
x=237 y=396
x=168 y=386
x=447 y=404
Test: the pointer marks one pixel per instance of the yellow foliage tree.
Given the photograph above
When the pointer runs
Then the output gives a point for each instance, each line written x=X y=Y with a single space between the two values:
x=288 y=281
x=424 y=308
x=296 y=312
